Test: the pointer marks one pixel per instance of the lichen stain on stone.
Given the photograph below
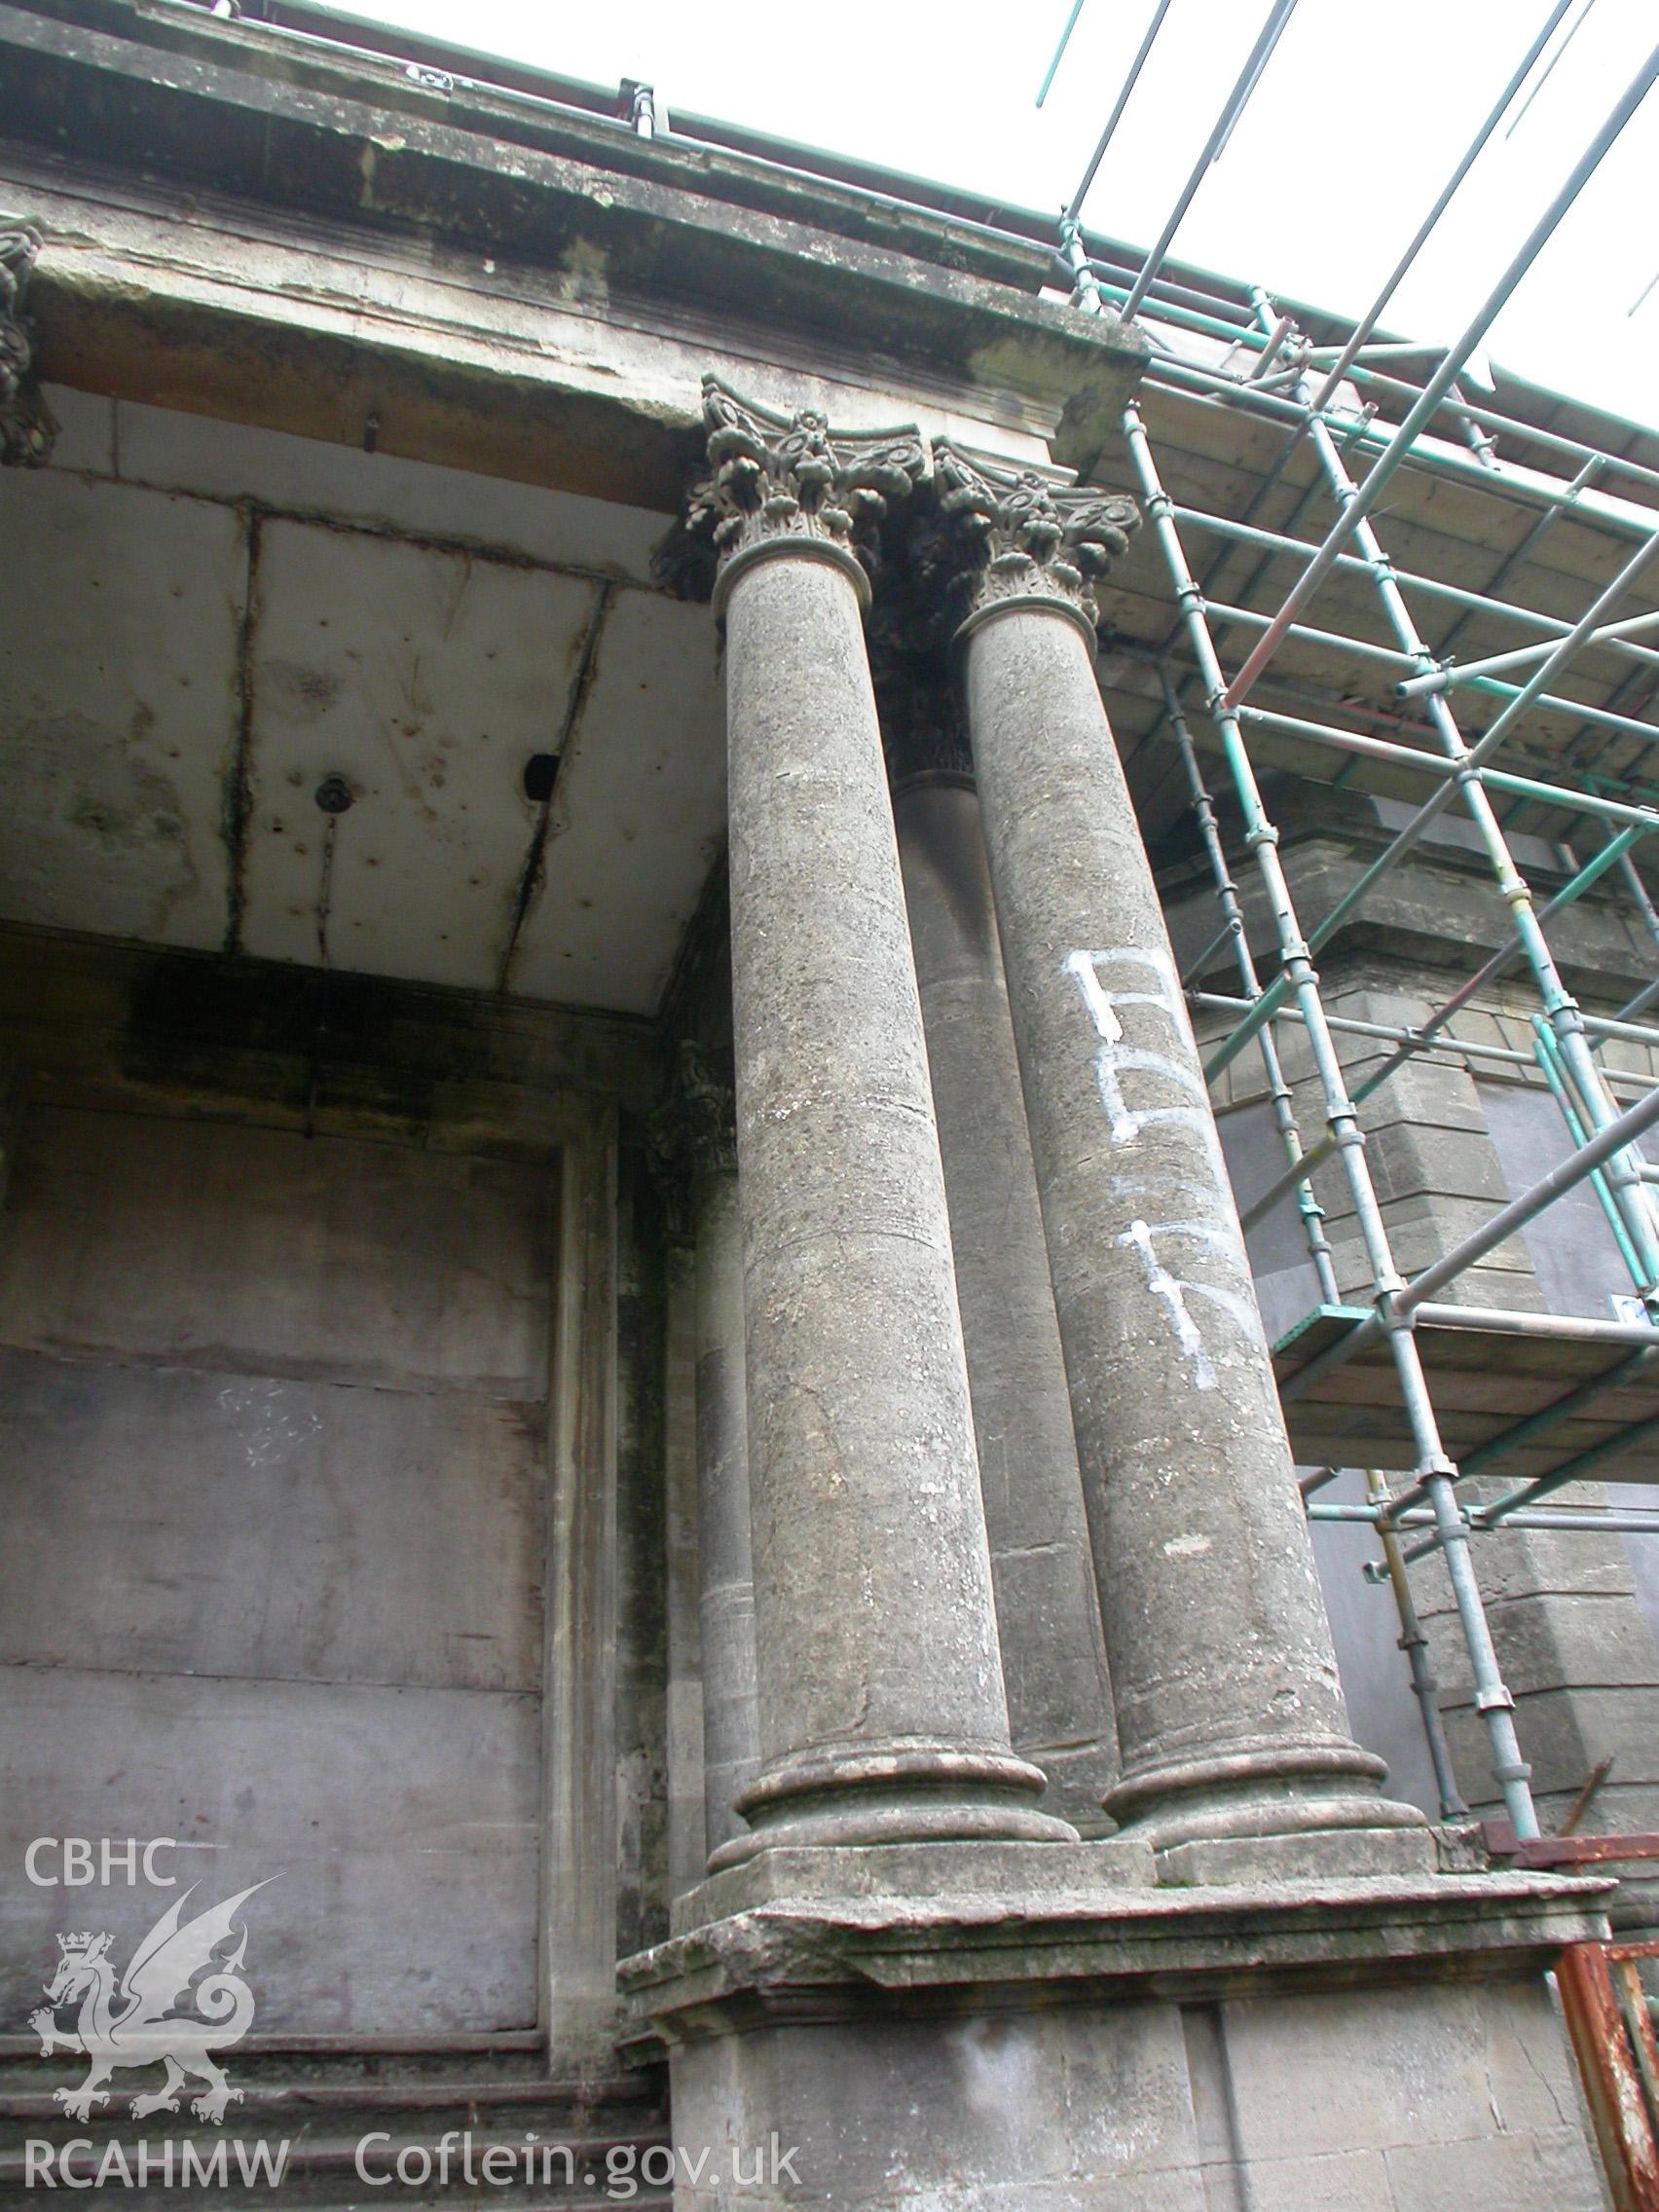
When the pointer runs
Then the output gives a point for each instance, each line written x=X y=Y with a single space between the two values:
x=586 y=271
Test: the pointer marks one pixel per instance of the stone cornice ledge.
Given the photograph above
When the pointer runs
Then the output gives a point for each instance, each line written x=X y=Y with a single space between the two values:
x=822 y=1960
x=189 y=100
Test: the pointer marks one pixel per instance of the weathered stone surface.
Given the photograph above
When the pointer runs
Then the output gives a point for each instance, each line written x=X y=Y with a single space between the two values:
x=910 y=2048
x=1047 y=1614
x=914 y=1870
x=564 y=215
x=403 y=1824
x=975 y=1917
x=338 y=1260
x=730 y=1736
x=1082 y=2108
x=1230 y=1714
x=28 y=430
x=269 y=1527
x=879 y=1678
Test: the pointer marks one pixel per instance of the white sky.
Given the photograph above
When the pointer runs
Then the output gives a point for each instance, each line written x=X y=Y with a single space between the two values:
x=1359 y=121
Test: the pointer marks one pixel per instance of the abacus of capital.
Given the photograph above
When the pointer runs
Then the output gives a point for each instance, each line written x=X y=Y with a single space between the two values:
x=895 y=1923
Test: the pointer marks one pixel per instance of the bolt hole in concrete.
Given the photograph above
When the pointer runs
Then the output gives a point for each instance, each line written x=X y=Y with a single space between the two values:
x=333 y=794
x=539 y=772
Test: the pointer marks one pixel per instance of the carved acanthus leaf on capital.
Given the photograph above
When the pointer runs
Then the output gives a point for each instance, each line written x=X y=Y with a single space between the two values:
x=1006 y=534
x=775 y=476
x=27 y=429
x=693 y=1132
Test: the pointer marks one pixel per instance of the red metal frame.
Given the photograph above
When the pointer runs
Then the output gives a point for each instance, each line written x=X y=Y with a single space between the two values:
x=1612 y=2039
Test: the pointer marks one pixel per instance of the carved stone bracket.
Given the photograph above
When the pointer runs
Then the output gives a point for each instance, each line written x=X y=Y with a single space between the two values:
x=1001 y=533
x=27 y=428
x=776 y=477
x=693 y=1132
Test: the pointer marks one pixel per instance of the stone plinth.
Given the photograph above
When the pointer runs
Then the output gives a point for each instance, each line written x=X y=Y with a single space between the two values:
x=976 y=2040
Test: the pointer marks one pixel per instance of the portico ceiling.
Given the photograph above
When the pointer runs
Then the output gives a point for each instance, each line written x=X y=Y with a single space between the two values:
x=207 y=625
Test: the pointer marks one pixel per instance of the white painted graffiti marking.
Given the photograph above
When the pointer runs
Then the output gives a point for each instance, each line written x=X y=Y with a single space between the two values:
x=1170 y=1294
x=1116 y=1056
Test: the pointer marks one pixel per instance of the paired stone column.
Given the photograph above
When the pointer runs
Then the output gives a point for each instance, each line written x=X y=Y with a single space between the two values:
x=1230 y=1714
x=881 y=1709
x=1059 y=1702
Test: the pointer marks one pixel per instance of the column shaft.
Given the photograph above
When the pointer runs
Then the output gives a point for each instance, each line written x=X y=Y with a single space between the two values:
x=1048 y=1614
x=878 y=1669
x=1230 y=1714
x=731 y=1752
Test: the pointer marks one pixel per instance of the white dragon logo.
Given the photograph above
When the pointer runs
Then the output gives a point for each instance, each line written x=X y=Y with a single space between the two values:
x=135 y=2027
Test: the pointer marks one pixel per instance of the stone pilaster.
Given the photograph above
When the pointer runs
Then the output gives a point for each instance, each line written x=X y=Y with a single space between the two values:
x=28 y=430
x=1230 y=1717
x=696 y=1132
x=880 y=1698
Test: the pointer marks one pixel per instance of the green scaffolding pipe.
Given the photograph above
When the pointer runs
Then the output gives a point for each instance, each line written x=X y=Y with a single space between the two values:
x=1548 y=1055
x=1422 y=1037
x=1491 y=1694
x=1187 y=378
x=1431 y=587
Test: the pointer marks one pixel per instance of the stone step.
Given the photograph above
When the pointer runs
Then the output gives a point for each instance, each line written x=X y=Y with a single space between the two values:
x=26 y=2069
x=321 y=2172
x=550 y=2109
x=607 y=2124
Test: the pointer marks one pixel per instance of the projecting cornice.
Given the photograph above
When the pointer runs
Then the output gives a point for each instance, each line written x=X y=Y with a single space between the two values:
x=527 y=224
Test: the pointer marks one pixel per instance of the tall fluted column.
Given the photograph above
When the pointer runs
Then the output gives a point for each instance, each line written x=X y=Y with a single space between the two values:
x=1059 y=1703
x=1230 y=1714
x=882 y=1706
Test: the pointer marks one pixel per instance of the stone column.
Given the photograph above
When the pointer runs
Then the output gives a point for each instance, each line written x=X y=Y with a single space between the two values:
x=1230 y=1714
x=881 y=1709
x=1059 y=1702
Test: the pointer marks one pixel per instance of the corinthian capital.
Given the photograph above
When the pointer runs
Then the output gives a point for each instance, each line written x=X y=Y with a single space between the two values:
x=790 y=477
x=1005 y=534
x=28 y=430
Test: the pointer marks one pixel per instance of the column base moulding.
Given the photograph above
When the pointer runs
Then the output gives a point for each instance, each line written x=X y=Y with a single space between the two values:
x=906 y=1793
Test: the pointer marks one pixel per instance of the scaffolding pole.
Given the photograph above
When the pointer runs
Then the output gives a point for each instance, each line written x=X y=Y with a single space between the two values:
x=1437 y=1472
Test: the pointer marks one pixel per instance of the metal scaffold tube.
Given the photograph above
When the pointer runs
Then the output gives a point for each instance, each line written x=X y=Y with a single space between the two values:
x=1400 y=445
x=1437 y=1472
x=1313 y=1214
x=1562 y=1010
x=1391 y=681
x=1372 y=314
x=1278 y=15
